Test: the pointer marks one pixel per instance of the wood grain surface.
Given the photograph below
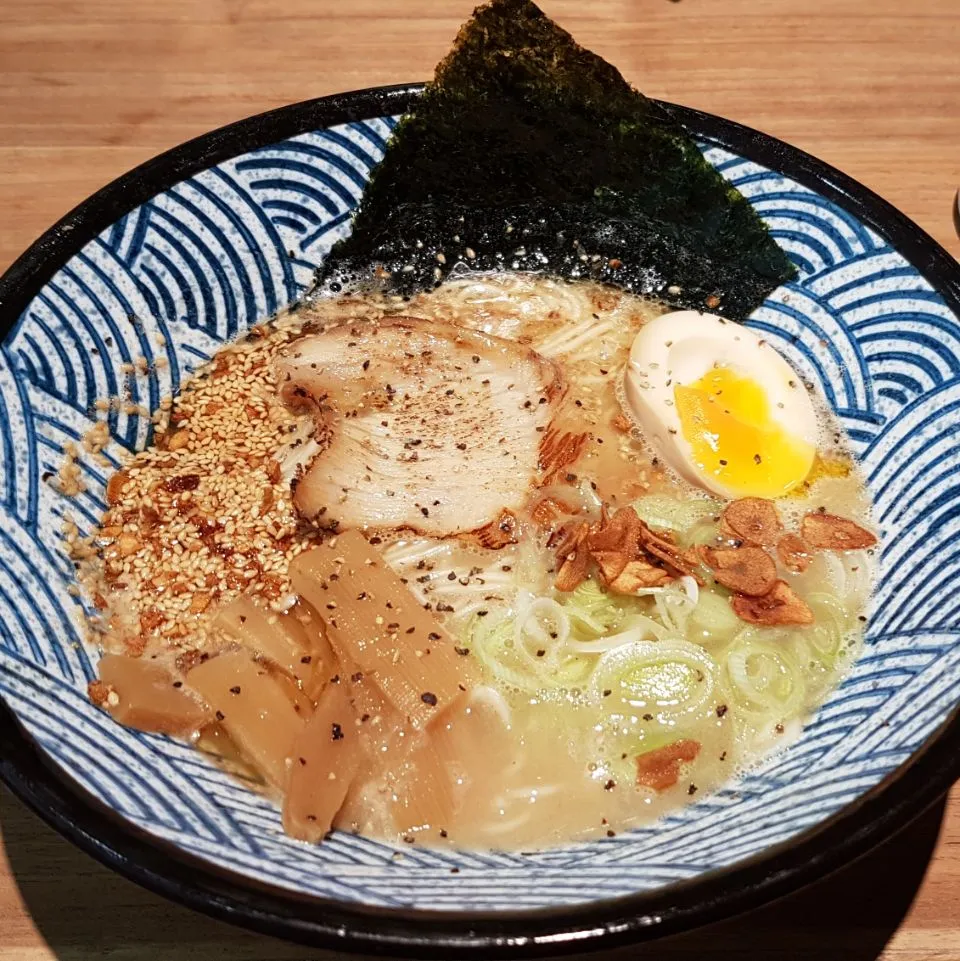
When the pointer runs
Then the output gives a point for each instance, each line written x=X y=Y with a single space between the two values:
x=89 y=88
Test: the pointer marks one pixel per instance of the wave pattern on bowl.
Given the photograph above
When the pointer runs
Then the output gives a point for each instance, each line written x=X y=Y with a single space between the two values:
x=180 y=275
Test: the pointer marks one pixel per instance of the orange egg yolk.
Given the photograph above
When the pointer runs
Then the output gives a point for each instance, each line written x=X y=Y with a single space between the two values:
x=726 y=420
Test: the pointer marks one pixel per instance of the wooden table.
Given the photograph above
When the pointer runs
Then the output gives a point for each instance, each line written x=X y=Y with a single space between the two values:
x=89 y=89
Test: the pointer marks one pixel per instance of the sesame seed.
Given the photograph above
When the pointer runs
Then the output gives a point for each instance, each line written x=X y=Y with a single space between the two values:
x=191 y=506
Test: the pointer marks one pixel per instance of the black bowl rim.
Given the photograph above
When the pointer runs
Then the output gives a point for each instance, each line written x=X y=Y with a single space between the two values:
x=163 y=868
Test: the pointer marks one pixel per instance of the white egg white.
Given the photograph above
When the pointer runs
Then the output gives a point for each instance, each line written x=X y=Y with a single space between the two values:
x=678 y=349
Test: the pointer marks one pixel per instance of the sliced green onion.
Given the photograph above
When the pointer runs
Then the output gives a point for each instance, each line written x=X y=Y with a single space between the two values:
x=664 y=678
x=828 y=646
x=712 y=621
x=763 y=675
x=594 y=610
x=675 y=602
x=515 y=665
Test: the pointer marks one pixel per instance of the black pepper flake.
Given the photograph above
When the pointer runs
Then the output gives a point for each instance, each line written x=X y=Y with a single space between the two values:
x=425 y=511
x=451 y=576
x=611 y=834
x=610 y=785
x=541 y=652
x=428 y=697
x=721 y=710
x=454 y=870
x=235 y=689
x=408 y=839
x=178 y=684
x=461 y=446
x=723 y=463
x=335 y=679
x=303 y=761
x=306 y=659
x=692 y=790
x=220 y=715
x=757 y=459
x=433 y=636
x=462 y=651
x=607 y=692
x=648 y=717
x=443 y=833
x=311 y=817
x=356 y=677
x=779 y=729
x=723 y=756
x=366 y=365
x=410 y=630
x=336 y=732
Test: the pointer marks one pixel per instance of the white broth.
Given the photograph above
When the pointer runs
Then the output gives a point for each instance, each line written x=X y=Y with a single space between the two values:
x=605 y=642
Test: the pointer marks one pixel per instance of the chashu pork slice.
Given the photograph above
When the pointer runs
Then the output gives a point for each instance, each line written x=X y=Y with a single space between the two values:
x=418 y=424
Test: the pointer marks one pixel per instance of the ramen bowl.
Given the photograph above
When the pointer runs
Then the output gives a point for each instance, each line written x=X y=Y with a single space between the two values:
x=186 y=252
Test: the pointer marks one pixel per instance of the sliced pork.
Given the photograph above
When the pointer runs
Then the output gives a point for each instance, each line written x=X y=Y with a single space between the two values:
x=419 y=424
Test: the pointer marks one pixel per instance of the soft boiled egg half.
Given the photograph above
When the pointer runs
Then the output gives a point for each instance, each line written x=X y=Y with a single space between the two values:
x=721 y=406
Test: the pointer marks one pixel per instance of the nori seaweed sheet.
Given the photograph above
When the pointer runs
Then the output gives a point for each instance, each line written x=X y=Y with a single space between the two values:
x=529 y=152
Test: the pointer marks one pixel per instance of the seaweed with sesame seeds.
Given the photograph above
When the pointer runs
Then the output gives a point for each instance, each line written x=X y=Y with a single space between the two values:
x=640 y=208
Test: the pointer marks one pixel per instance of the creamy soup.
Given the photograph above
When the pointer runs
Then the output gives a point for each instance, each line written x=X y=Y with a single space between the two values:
x=513 y=563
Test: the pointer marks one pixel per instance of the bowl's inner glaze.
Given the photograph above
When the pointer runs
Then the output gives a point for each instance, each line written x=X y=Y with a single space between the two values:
x=234 y=244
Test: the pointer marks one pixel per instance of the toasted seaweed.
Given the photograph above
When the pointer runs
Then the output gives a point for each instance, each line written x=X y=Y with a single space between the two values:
x=529 y=152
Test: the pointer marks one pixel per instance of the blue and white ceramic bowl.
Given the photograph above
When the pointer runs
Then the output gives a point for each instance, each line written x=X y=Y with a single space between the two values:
x=216 y=235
